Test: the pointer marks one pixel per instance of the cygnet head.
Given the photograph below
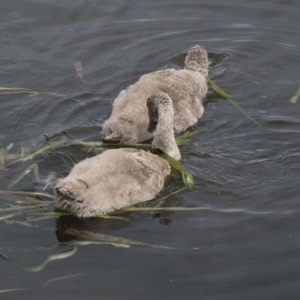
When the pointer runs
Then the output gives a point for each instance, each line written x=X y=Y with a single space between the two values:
x=197 y=60
x=161 y=116
x=119 y=130
x=68 y=195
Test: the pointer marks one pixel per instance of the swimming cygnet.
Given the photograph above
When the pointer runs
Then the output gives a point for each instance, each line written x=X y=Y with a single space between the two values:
x=187 y=88
x=120 y=177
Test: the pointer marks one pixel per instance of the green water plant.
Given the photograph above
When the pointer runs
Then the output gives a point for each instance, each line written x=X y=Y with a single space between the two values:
x=12 y=290
x=83 y=238
x=59 y=279
x=295 y=98
x=32 y=168
x=224 y=95
x=92 y=145
x=52 y=257
x=131 y=208
x=42 y=194
x=187 y=177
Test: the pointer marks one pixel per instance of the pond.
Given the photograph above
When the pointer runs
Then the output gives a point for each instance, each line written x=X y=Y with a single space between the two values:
x=240 y=237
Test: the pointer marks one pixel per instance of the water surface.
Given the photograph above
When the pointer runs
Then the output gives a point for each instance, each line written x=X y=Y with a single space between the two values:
x=247 y=177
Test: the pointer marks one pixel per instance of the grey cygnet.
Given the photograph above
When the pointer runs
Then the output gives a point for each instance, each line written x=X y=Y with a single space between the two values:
x=186 y=88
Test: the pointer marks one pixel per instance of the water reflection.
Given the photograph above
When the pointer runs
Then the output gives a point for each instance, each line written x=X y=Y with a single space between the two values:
x=103 y=225
x=94 y=225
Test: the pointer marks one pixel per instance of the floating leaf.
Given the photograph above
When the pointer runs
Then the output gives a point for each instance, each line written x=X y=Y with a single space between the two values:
x=224 y=95
x=294 y=99
x=11 y=290
x=79 y=69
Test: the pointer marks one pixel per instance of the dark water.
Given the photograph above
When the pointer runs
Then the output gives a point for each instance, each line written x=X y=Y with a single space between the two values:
x=246 y=176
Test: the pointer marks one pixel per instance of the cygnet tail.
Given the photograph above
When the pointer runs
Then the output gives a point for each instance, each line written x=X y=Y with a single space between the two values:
x=197 y=60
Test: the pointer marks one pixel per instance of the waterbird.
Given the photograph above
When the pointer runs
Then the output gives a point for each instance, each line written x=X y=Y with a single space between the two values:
x=186 y=88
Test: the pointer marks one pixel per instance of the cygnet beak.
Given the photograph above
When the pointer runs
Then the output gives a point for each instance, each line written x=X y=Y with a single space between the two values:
x=152 y=126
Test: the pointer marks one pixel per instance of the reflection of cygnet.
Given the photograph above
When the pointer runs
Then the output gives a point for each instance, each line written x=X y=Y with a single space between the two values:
x=121 y=177
x=187 y=89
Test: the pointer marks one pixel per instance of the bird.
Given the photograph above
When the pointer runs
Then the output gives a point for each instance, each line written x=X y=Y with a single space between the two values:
x=121 y=177
x=128 y=122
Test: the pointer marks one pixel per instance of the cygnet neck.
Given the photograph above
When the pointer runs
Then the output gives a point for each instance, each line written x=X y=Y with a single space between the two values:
x=161 y=116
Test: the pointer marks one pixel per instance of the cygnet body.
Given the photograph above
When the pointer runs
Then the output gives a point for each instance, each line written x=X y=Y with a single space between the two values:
x=121 y=177
x=186 y=88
